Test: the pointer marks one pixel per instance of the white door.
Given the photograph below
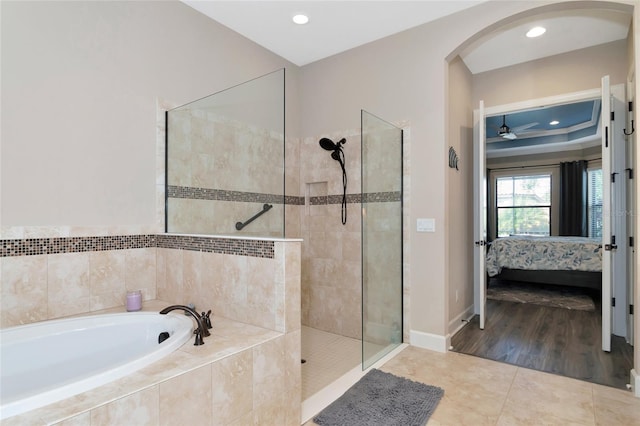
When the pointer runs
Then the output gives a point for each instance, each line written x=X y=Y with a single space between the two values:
x=607 y=202
x=630 y=135
x=479 y=213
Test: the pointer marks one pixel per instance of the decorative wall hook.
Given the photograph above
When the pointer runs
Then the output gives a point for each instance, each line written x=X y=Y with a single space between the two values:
x=632 y=130
x=453 y=158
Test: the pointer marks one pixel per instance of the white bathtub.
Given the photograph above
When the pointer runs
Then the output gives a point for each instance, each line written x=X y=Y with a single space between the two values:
x=45 y=362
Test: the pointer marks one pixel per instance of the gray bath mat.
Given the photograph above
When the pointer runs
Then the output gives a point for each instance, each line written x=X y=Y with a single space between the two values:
x=381 y=398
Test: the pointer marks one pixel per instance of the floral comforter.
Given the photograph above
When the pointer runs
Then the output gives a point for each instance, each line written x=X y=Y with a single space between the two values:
x=544 y=253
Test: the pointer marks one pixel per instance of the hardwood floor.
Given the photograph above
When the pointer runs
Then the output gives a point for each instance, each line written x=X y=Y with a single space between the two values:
x=555 y=340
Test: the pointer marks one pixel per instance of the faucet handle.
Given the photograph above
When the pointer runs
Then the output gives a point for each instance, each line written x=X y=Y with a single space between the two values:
x=206 y=319
x=199 y=340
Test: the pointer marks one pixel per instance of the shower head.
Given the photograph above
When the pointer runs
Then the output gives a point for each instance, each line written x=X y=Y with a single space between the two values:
x=338 y=154
x=329 y=145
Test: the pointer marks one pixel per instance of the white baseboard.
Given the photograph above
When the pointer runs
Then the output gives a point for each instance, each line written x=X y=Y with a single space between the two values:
x=635 y=383
x=429 y=341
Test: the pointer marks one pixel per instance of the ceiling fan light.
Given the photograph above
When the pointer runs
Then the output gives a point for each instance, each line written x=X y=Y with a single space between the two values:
x=536 y=32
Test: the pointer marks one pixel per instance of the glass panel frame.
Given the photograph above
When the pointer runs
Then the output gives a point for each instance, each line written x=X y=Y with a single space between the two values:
x=225 y=162
x=382 y=242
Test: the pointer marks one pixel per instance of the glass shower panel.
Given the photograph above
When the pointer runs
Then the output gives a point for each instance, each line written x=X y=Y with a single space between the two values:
x=225 y=162
x=381 y=238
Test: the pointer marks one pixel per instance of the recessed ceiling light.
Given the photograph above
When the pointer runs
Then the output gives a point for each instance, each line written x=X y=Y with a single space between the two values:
x=554 y=122
x=300 y=19
x=536 y=32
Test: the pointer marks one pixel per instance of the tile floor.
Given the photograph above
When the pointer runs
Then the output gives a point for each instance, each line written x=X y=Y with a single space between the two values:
x=484 y=392
x=328 y=356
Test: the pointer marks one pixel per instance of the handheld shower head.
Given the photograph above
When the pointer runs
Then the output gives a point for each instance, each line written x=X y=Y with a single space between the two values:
x=338 y=155
x=328 y=144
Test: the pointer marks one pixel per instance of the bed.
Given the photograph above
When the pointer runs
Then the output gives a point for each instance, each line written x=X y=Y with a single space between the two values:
x=572 y=261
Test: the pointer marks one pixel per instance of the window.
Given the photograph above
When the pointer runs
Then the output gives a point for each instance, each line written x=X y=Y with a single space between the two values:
x=594 y=199
x=523 y=205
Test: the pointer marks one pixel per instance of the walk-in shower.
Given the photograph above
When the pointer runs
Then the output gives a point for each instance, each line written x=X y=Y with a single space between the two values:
x=352 y=274
x=226 y=174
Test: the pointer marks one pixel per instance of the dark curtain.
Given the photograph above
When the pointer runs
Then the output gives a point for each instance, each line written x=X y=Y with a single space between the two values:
x=573 y=198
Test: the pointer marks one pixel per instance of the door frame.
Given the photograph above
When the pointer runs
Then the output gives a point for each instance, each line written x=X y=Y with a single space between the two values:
x=479 y=305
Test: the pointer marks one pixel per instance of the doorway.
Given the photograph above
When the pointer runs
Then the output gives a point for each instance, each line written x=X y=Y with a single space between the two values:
x=522 y=340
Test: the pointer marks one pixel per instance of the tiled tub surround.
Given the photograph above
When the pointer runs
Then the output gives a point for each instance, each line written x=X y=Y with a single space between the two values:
x=242 y=375
x=46 y=278
x=252 y=286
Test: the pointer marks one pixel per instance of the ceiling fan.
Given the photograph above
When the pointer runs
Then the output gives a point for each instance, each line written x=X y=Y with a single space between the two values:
x=511 y=133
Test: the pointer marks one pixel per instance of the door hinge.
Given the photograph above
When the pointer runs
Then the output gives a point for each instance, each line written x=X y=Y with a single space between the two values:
x=630 y=171
x=630 y=106
x=613 y=116
x=613 y=301
x=612 y=245
x=613 y=177
x=606 y=137
x=630 y=241
x=630 y=309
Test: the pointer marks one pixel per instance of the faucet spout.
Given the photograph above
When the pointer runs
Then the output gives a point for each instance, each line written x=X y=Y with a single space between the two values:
x=202 y=330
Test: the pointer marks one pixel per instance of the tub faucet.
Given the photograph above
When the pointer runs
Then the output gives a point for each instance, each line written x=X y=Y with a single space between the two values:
x=201 y=331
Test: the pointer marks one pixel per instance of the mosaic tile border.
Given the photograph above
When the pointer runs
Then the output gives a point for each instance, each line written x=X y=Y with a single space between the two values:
x=372 y=197
x=187 y=192
x=59 y=245
x=252 y=248
x=174 y=191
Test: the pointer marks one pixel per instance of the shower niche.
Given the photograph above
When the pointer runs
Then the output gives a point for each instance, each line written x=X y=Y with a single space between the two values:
x=225 y=162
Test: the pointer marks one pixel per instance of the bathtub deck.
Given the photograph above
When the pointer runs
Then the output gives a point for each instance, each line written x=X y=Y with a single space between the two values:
x=228 y=337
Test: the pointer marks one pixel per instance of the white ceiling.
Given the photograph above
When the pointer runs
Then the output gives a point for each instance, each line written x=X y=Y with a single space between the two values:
x=337 y=26
x=334 y=26
x=566 y=31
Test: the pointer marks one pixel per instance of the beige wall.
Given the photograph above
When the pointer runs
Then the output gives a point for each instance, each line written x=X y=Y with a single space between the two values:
x=79 y=88
x=567 y=73
x=459 y=196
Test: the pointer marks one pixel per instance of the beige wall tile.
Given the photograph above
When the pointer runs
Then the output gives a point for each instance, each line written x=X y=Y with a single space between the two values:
x=68 y=284
x=171 y=289
x=83 y=419
x=292 y=292
x=140 y=408
x=107 y=279
x=140 y=271
x=232 y=387
x=186 y=399
x=212 y=280
x=192 y=275
x=268 y=373
x=293 y=377
x=24 y=290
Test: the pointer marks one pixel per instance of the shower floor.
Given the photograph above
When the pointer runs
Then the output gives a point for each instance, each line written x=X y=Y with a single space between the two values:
x=328 y=357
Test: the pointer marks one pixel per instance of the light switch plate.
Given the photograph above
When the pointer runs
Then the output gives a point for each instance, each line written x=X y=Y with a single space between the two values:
x=426 y=225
